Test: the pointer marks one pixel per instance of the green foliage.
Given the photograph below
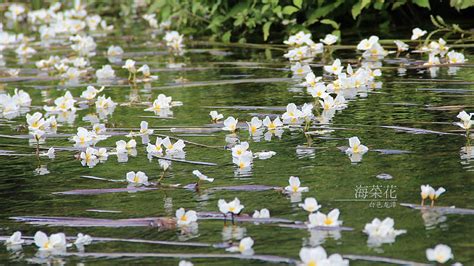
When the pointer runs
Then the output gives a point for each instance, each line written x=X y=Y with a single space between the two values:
x=240 y=20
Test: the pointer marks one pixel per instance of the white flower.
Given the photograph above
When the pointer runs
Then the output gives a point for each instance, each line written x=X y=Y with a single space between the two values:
x=300 y=70
x=426 y=190
x=130 y=66
x=298 y=39
x=230 y=124
x=434 y=194
x=401 y=46
x=91 y=92
x=311 y=80
x=151 y=19
x=292 y=114
x=103 y=103
x=366 y=44
x=24 y=50
x=335 y=68
x=245 y=247
x=318 y=91
x=329 y=39
x=318 y=256
x=56 y=242
x=114 y=51
x=80 y=62
x=441 y=253
x=263 y=213
x=239 y=149
x=124 y=147
x=137 y=178
x=83 y=240
x=294 y=186
x=300 y=53
x=178 y=146
x=99 y=128
x=466 y=122
x=164 y=164
x=155 y=149
x=382 y=231
x=417 y=33
x=37 y=134
x=144 y=128
x=310 y=205
x=185 y=263
x=202 y=177
x=49 y=153
x=14 y=239
x=254 y=125
x=265 y=155
x=432 y=60
x=321 y=219
x=35 y=121
x=13 y=72
x=105 y=73
x=356 y=147
x=93 y=21
x=243 y=161
x=83 y=138
x=456 y=58
x=184 y=218
x=21 y=98
x=102 y=154
x=272 y=125
x=85 y=46
x=307 y=111
x=89 y=157
x=145 y=69
x=215 y=116
x=161 y=102
x=231 y=207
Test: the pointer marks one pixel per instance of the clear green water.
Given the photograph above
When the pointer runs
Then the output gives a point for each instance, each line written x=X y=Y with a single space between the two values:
x=402 y=101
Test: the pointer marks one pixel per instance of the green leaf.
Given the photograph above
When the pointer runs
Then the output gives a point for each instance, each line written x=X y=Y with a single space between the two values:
x=422 y=3
x=265 y=8
x=288 y=10
x=266 y=30
x=298 y=3
x=323 y=11
x=330 y=22
x=398 y=4
x=226 y=36
x=379 y=4
x=357 y=8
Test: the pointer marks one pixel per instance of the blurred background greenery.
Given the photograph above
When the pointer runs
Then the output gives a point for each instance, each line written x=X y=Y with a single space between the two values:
x=273 y=20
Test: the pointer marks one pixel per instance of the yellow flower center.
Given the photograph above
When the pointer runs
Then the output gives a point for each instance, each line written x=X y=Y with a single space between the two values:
x=312 y=263
x=294 y=188
x=328 y=221
x=184 y=218
x=355 y=148
x=135 y=179
x=231 y=209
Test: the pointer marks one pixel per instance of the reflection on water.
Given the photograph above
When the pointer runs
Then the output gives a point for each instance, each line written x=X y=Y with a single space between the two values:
x=27 y=185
